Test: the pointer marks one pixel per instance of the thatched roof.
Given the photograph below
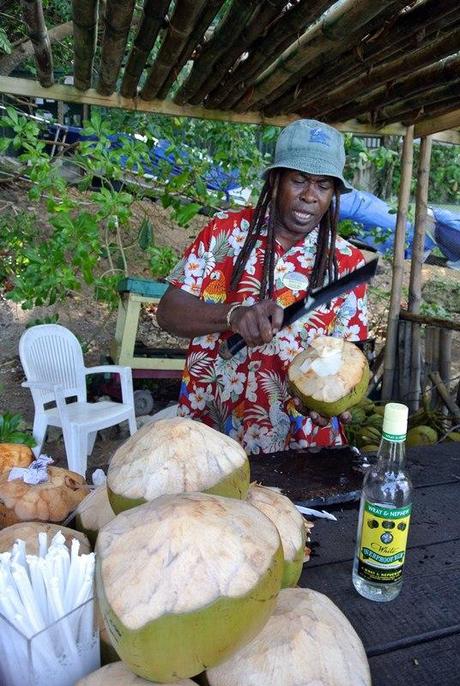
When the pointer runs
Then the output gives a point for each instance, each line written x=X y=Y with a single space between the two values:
x=353 y=63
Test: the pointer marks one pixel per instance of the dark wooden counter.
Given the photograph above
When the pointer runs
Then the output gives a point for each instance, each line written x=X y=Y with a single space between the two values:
x=413 y=640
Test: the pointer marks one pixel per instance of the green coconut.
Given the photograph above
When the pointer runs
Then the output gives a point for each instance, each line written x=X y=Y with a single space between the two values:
x=290 y=524
x=185 y=580
x=176 y=456
x=330 y=376
x=117 y=674
x=93 y=513
x=421 y=435
x=306 y=641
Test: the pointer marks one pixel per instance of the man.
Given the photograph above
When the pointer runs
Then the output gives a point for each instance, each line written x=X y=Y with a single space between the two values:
x=239 y=273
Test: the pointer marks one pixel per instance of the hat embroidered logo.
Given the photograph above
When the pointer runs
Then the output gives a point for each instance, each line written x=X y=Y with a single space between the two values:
x=319 y=136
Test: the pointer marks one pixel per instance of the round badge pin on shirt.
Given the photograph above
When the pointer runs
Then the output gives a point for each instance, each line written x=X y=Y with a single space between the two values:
x=295 y=281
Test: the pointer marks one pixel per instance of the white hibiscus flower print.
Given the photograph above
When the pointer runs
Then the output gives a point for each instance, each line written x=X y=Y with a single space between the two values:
x=192 y=285
x=208 y=341
x=233 y=386
x=198 y=398
x=236 y=240
x=288 y=348
x=281 y=269
x=194 y=266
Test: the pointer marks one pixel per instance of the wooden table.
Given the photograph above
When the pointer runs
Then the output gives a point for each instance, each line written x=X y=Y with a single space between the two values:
x=413 y=640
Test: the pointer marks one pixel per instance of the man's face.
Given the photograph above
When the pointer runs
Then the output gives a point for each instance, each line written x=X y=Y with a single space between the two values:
x=301 y=202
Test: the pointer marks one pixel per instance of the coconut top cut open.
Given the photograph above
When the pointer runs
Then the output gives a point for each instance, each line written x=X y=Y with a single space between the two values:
x=330 y=376
x=174 y=456
x=307 y=640
x=180 y=553
x=117 y=674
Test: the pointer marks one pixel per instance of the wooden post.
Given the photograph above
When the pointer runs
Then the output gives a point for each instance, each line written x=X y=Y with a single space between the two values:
x=445 y=355
x=33 y=16
x=415 y=282
x=398 y=265
x=85 y=15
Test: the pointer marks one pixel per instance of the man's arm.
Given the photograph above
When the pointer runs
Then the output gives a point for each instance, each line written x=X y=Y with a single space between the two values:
x=183 y=314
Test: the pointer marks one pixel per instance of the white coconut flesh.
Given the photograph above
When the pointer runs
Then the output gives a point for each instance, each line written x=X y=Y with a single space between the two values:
x=176 y=455
x=117 y=674
x=330 y=372
x=184 y=580
x=94 y=512
x=290 y=524
x=307 y=641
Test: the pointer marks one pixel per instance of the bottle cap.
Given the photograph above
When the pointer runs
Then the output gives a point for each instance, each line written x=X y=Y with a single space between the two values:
x=395 y=421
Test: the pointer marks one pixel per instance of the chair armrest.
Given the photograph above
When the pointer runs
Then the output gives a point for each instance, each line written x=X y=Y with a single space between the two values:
x=126 y=379
x=56 y=389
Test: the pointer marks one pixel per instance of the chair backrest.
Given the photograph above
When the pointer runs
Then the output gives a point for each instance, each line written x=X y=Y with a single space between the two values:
x=51 y=353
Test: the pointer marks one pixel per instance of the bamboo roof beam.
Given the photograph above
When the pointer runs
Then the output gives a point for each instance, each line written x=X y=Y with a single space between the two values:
x=84 y=16
x=118 y=16
x=193 y=44
x=282 y=34
x=404 y=110
x=420 y=59
x=423 y=20
x=186 y=13
x=443 y=72
x=225 y=35
x=32 y=11
x=259 y=24
x=153 y=17
x=346 y=23
x=445 y=121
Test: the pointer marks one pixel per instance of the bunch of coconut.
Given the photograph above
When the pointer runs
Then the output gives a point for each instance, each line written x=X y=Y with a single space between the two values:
x=185 y=580
x=176 y=455
x=49 y=501
x=307 y=640
x=292 y=528
x=330 y=376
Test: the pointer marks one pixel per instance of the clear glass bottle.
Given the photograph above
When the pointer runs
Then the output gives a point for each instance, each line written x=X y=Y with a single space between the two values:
x=384 y=513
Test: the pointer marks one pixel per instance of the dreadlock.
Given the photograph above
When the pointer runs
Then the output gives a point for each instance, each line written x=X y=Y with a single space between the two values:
x=325 y=259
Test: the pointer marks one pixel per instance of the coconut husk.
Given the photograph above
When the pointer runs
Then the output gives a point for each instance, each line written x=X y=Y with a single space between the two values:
x=117 y=674
x=28 y=532
x=50 y=501
x=14 y=455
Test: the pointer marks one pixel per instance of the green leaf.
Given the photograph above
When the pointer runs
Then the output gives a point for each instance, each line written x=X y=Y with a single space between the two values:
x=145 y=236
x=185 y=213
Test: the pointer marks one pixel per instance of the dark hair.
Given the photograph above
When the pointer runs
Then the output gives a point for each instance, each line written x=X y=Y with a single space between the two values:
x=325 y=259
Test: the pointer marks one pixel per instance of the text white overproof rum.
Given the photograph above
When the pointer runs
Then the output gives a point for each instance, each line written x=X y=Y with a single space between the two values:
x=384 y=513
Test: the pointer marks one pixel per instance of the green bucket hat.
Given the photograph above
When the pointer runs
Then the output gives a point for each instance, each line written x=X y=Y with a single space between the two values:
x=311 y=147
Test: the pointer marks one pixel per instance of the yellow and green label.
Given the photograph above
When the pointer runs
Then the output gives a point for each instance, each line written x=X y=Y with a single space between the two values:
x=382 y=547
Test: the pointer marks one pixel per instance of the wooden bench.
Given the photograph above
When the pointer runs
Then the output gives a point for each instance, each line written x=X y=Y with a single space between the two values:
x=159 y=363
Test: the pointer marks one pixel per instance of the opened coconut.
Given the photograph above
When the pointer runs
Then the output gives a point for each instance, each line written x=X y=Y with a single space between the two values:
x=307 y=640
x=49 y=501
x=28 y=532
x=290 y=524
x=330 y=376
x=117 y=674
x=94 y=512
x=14 y=455
x=185 y=580
x=176 y=456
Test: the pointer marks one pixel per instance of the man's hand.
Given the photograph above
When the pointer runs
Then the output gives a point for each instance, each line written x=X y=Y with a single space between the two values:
x=258 y=323
x=317 y=418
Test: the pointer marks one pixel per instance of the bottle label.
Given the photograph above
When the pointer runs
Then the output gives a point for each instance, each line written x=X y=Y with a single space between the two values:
x=394 y=438
x=382 y=547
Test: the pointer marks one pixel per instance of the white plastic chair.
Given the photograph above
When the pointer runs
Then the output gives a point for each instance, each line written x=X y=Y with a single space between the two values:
x=53 y=363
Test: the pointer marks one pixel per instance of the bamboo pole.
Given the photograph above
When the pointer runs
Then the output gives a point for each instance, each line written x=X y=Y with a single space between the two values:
x=402 y=383
x=445 y=356
x=85 y=15
x=32 y=11
x=117 y=19
x=225 y=35
x=186 y=13
x=387 y=43
x=260 y=22
x=424 y=81
x=282 y=34
x=193 y=44
x=434 y=322
x=406 y=109
x=153 y=17
x=415 y=281
x=407 y=160
x=445 y=396
x=371 y=77
x=428 y=355
x=347 y=22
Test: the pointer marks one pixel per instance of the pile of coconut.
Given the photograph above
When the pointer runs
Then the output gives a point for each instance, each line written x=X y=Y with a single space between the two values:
x=197 y=569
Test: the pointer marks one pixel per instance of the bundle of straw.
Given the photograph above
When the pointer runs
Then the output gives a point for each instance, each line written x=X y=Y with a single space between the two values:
x=45 y=600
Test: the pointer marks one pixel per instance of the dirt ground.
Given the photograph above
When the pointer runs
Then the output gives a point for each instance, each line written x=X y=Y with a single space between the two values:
x=94 y=324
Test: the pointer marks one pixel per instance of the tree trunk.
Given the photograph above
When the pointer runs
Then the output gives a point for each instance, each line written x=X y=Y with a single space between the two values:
x=32 y=11
x=8 y=63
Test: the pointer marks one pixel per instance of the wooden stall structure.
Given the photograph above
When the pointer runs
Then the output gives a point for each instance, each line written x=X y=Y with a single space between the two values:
x=365 y=66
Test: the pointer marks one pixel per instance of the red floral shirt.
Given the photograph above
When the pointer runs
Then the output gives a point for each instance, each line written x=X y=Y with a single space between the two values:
x=247 y=397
